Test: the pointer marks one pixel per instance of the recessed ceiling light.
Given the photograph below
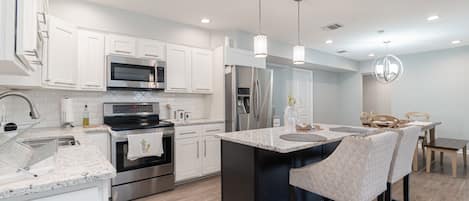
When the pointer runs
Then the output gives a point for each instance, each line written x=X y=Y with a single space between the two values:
x=205 y=20
x=329 y=41
x=433 y=17
x=455 y=41
x=371 y=55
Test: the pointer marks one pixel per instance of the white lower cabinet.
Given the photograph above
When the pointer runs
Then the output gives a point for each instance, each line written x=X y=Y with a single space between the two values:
x=91 y=194
x=197 y=151
x=212 y=153
x=188 y=163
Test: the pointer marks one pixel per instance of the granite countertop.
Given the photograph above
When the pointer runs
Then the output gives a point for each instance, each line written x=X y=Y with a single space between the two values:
x=194 y=122
x=269 y=138
x=74 y=165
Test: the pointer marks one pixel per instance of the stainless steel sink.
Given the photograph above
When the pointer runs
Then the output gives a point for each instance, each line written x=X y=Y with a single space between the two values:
x=61 y=141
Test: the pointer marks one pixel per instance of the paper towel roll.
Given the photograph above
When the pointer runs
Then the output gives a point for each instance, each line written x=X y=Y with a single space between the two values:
x=67 y=110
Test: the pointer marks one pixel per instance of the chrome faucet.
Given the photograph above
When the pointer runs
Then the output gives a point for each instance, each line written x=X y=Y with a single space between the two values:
x=33 y=111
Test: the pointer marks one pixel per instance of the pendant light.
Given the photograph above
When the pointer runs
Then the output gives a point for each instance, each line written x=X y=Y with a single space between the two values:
x=260 y=40
x=388 y=68
x=298 y=50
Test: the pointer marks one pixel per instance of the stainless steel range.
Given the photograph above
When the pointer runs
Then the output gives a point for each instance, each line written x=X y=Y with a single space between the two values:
x=144 y=176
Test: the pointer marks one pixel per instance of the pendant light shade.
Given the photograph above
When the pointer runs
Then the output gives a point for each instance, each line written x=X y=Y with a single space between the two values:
x=388 y=68
x=260 y=46
x=299 y=54
x=260 y=40
x=298 y=50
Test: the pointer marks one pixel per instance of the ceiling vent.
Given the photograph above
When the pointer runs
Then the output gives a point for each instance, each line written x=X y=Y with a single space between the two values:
x=341 y=51
x=332 y=27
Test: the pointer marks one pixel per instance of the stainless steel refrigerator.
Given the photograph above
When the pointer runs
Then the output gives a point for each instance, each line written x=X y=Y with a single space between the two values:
x=248 y=98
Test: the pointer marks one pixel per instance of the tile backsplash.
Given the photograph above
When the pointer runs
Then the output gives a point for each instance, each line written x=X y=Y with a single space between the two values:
x=48 y=104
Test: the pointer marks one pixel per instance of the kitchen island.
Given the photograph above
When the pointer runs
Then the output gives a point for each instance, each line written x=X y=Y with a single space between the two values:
x=256 y=163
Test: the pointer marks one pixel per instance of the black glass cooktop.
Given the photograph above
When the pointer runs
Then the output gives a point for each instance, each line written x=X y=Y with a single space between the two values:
x=121 y=123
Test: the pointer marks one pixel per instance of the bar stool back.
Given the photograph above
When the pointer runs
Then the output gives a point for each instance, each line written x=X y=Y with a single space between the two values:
x=356 y=171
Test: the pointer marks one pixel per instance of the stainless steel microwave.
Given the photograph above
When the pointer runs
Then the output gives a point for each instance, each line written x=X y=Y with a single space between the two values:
x=135 y=73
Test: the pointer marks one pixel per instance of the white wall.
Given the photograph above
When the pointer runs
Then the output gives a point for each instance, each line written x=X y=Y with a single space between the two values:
x=94 y=16
x=436 y=82
x=325 y=93
x=48 y=104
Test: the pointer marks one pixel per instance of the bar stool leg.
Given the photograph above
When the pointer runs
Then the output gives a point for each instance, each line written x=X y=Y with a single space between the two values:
x=406 y=188
x=381 y=197
x=388 y=193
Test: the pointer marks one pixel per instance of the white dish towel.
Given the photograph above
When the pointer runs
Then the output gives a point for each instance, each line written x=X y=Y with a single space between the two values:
x=144 y=145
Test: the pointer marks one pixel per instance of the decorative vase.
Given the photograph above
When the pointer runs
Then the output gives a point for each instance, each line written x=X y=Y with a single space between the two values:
x=290 y=115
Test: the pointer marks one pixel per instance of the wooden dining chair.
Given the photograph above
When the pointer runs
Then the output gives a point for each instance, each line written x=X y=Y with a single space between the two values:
x=384 y=121
x=420 y=116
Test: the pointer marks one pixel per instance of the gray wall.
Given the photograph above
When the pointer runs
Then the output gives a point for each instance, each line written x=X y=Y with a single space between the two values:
x=350 y=98
x=376 y=96
x=436 y=82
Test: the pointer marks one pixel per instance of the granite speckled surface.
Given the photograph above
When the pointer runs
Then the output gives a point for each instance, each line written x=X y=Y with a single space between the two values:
x=194 y=122
x=269 y=138
x=74 y=165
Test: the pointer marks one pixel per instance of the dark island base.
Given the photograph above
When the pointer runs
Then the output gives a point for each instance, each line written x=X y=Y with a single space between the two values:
x=253 y=174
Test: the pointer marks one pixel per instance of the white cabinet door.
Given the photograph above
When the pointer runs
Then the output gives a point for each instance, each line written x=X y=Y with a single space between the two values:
x=151 y=49
x=27 y=48
x=89 y=194
x=62 y=68
x=178 y=68
x=202 y=70
x=121 y=45
x=212 y=153
x=91 y=60
x=188 y=158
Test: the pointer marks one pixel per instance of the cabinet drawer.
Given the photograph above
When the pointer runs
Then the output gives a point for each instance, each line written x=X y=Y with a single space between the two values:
x=211 y=129
x=188 y=131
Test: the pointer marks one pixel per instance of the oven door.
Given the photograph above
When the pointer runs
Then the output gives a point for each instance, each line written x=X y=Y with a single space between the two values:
x=143 y=168
x=126 y=72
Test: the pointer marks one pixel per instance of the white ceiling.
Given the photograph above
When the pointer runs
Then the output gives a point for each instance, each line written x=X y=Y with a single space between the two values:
x=404 y=21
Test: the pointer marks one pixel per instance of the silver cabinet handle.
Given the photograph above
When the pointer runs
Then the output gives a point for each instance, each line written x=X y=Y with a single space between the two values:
x=32 y=53
x=188 y=133
x=93 y=85
x=43 y=16
x=205 y=148
x=213 y=130
x=151 y=55
x=123 y=51
x=198 y=149
x=64 y=83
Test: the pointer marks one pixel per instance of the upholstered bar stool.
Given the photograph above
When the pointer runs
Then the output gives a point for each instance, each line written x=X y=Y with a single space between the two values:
x=356 y=171
x=401 y=164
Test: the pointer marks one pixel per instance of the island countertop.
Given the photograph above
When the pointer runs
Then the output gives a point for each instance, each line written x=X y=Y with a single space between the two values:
x=269 y=138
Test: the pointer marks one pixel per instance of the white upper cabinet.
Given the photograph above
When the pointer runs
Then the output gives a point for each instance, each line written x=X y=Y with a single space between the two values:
x=91 y=60
x=202 y=70
x=178 y=68
x=121 y=45
x=151 y=49
x=235 y=56
x=62 y=69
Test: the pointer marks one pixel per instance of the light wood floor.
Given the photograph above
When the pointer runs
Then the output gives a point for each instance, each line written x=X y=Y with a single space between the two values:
x=436 y=186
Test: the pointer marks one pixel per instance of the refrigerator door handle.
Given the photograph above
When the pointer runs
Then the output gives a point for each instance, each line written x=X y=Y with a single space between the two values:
x=258 y=92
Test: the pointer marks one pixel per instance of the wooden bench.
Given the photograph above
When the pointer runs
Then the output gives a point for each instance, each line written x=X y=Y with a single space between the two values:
x=449 y=146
